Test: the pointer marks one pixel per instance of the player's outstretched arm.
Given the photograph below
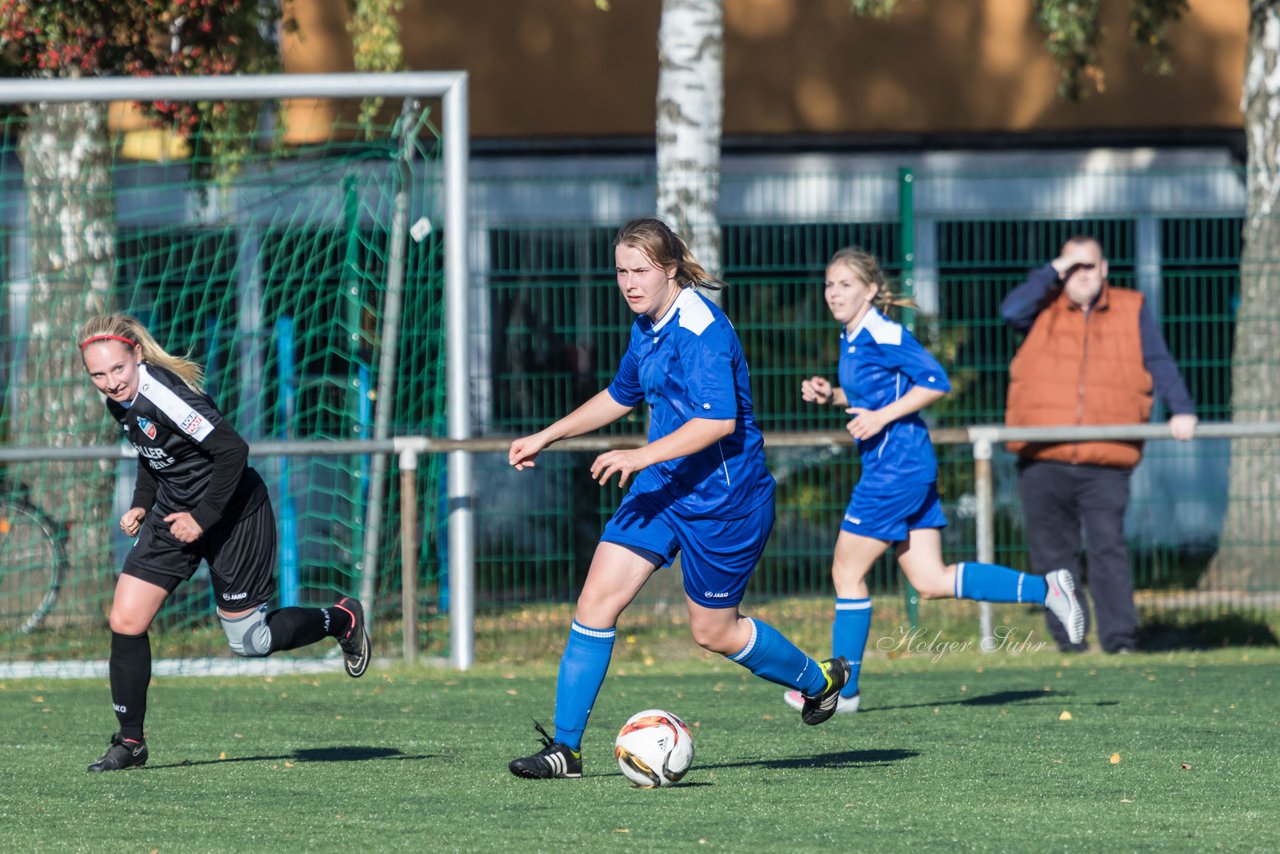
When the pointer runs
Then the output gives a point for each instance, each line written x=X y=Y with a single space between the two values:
x=592 y=415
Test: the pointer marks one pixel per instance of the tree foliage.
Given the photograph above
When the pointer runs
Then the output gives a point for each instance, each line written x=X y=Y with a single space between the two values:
x=374 y=27
x=1074 y=35
x=873 y=8
x=74 y=38
x=1073 y=30
x=144 y=38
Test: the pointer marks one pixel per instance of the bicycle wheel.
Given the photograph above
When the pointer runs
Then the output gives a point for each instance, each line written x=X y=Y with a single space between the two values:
x=31 y=566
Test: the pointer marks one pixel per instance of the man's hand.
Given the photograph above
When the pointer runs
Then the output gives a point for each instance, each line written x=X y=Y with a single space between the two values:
x=1183 y=427
x=1073 y=255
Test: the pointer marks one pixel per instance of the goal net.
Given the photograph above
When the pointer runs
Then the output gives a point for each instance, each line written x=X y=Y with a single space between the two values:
x=298 y=258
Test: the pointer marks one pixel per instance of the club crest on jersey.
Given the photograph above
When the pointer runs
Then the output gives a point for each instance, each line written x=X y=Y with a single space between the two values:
x=147 y=427
x=191 y=424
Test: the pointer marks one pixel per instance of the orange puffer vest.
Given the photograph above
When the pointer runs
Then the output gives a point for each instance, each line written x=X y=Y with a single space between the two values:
x=1079 y=367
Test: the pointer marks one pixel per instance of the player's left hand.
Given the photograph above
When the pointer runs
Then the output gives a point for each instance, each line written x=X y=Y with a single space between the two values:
x=623 y=463
x=1183 y=427
x=184 y=528
x=866 y=423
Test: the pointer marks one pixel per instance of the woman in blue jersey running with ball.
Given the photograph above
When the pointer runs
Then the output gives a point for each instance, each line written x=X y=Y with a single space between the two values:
x=885 y=379
x=699 y=488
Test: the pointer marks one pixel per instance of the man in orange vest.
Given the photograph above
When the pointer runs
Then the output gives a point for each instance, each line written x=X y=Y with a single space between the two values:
x=1092 y=355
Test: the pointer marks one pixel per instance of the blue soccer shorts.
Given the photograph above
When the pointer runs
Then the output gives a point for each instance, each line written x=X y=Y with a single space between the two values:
x=717 y=556
x=889 y=512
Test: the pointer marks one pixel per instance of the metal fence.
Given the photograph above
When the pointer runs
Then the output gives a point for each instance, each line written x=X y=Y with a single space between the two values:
x=455 y=629
x=547 y=328
x=958 y=234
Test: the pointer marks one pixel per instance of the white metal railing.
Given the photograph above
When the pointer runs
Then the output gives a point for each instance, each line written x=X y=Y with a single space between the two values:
x=408 y=449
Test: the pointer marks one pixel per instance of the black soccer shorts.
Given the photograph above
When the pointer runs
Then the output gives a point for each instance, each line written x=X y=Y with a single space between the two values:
x=241 y=552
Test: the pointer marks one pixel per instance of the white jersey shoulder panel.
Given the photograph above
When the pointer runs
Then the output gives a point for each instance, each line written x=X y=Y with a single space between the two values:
x=175 y=408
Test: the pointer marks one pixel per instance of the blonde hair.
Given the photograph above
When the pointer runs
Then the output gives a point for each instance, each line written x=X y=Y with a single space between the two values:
x=865 y=266
x=665 y=248
x=128 y=331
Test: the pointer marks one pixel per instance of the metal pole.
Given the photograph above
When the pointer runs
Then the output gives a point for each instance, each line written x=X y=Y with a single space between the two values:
x=907 y=242
x=907 y=260
x=357 y=391
x=986 y=528
x=390 y=350
x=287 y=369
x=409 y=554
x=458 y=331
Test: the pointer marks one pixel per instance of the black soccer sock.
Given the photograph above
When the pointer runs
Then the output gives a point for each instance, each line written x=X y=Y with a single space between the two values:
x=130 y=672
x=340 y=621
x=296 y=627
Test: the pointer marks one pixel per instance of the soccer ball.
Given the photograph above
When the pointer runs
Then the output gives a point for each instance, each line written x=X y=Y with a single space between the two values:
x=654 y=749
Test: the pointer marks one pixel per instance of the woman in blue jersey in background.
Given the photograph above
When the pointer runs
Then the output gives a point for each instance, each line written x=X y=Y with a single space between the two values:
x=698 y=488
x=885 y=379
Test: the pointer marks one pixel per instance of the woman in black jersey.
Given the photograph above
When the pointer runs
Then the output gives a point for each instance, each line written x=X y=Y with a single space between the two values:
x=195 y=499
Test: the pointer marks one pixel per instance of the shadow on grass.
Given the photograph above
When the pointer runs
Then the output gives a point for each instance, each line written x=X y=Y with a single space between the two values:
x=1162 y=635
x=309 y=754
x=843 y=759
x=999 y=698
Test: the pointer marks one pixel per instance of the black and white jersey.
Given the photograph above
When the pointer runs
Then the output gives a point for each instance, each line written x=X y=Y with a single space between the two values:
x=189 y=458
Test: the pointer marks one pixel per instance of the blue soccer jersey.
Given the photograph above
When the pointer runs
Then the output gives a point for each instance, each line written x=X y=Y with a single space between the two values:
x=879 y=363
x=689 y=364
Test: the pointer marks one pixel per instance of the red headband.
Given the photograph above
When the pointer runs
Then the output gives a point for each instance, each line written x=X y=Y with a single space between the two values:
x=93 y=338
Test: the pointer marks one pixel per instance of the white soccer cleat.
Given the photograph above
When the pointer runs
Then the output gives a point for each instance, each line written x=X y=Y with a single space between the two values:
x=795 y=700
x=1061 y=599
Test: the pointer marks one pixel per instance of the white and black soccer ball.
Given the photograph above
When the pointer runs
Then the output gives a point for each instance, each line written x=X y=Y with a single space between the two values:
x=654 y=749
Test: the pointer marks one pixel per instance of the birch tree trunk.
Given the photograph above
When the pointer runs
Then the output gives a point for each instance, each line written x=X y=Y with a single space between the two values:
x=1248 y=549
x=690 y=122
x=687 y=134
x=66 y=160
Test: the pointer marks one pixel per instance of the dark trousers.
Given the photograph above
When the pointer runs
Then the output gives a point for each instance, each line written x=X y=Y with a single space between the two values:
x=1059 y=500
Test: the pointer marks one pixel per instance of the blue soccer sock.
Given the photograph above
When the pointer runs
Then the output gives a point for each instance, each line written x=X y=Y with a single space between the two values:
x=989 y=582
x=771 y=656
x=582 y=668
x=849 y=633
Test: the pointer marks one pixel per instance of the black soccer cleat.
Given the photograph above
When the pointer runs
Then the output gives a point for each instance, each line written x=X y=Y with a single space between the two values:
x=123 y=753
x=553 y=760
x=357 y=649
x=818 y=709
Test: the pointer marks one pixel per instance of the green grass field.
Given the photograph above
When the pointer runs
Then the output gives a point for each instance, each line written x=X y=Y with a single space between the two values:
x=959 y=751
